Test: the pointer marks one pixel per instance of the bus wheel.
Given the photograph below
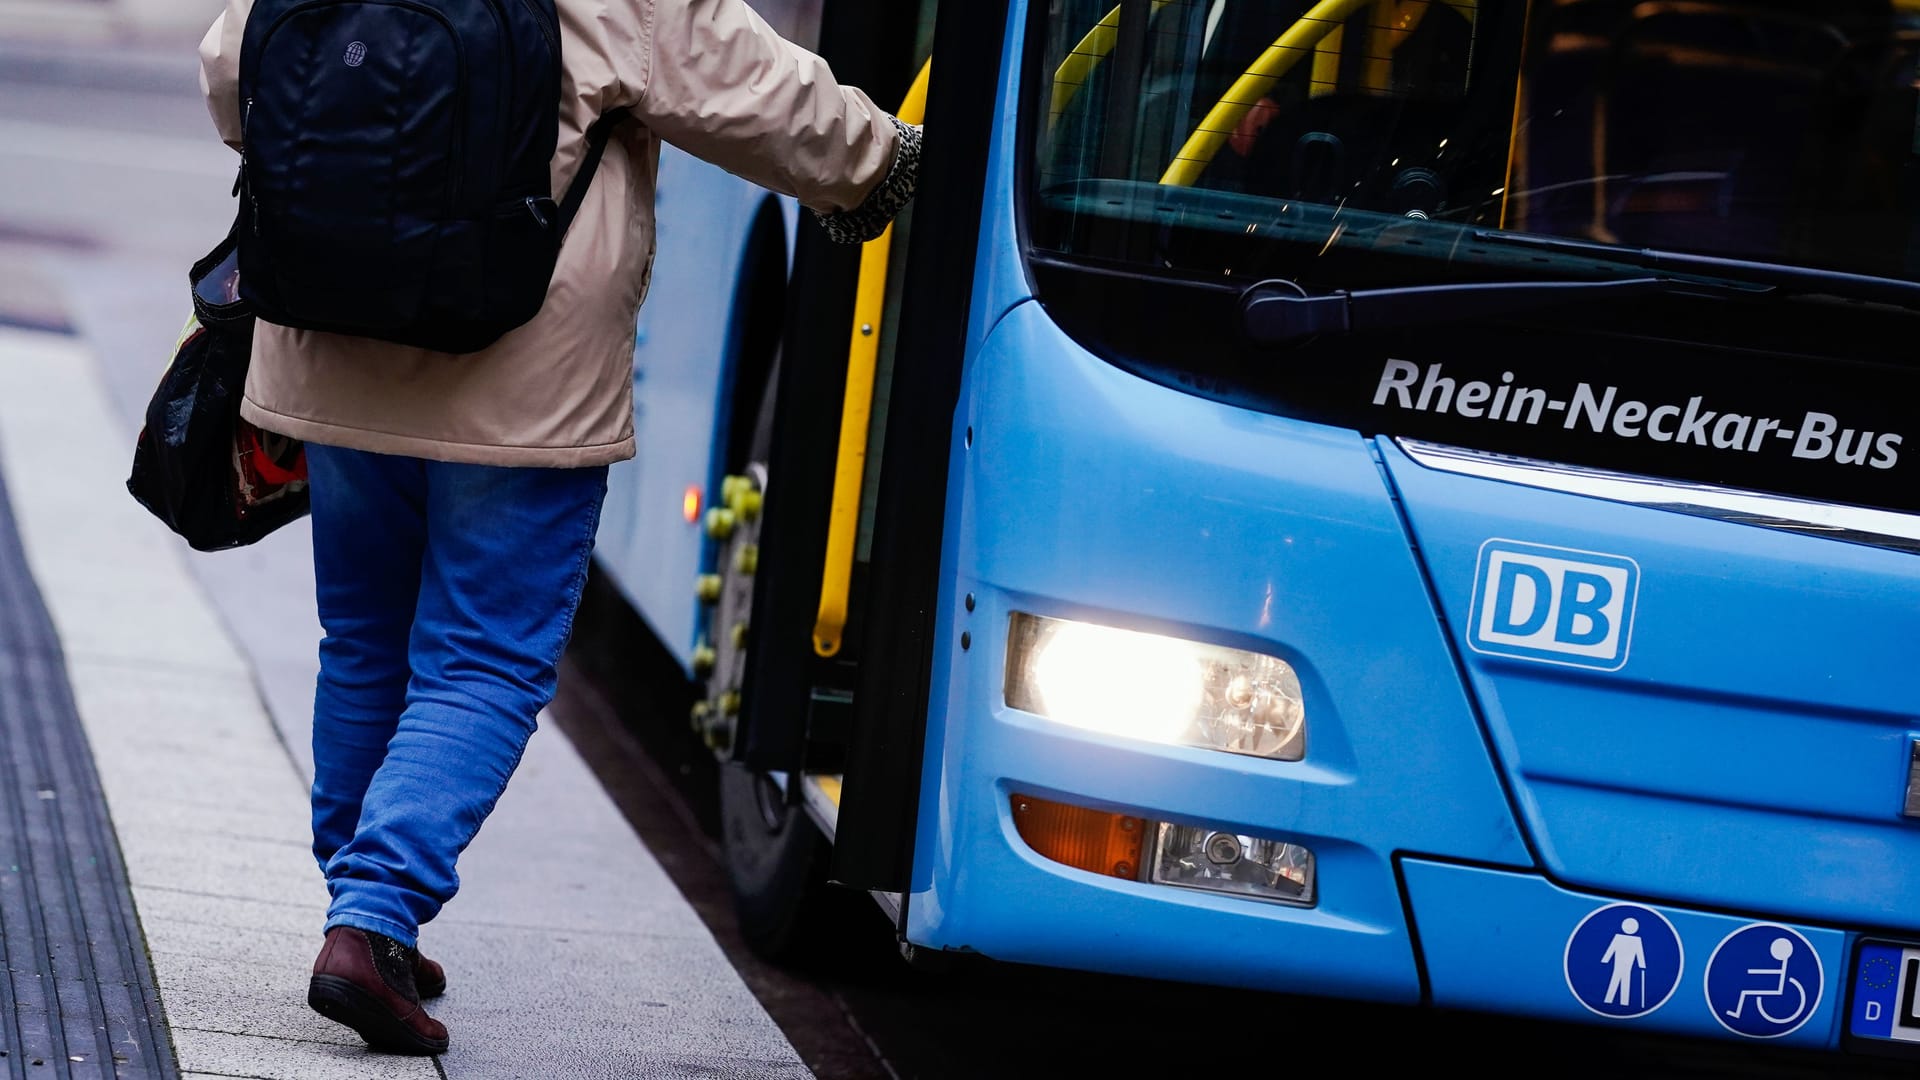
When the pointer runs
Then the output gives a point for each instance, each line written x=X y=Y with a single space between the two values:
x=776 y=859
x=734 y=524
x=776 y=863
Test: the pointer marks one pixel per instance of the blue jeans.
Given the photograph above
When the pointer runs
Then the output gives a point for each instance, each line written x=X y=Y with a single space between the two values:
x=447 y=593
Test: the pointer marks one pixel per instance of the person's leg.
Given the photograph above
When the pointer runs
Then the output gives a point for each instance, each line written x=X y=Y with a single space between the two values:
x=369 y=537
x=506 y=559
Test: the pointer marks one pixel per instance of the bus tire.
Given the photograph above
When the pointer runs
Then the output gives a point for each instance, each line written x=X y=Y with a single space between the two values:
x=777 y=859
x=776 y=864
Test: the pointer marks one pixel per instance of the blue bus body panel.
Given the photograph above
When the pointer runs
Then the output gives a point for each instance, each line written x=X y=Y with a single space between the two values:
x=1088 y=493
x=682 y=386
x=1745 y=742
x=1000 y=271
x=1499 y=941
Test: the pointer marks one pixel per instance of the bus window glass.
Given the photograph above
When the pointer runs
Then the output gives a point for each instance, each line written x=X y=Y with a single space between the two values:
x=1291 y=138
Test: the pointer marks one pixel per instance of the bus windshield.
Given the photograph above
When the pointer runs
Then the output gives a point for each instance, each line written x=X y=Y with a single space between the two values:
x=1353 y=142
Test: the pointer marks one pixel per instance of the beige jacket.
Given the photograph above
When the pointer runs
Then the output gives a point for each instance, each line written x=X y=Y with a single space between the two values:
x=709 y=76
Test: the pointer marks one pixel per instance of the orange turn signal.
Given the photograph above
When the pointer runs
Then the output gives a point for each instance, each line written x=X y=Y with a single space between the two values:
x=1092 y=840
x=690 y=504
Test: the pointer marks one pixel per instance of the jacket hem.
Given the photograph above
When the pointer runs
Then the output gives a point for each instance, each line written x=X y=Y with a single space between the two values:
x=387 y=442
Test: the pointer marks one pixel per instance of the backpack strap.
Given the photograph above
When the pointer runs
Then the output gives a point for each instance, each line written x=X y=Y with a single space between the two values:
x=597 y=136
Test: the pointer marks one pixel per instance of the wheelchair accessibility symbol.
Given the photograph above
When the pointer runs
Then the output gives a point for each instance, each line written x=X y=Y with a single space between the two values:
x=1764 y=981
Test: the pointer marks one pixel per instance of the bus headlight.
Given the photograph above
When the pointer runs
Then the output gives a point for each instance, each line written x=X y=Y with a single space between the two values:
x=1154 y=688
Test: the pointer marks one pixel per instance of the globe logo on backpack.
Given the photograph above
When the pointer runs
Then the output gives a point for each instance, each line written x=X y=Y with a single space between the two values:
x=356 y=54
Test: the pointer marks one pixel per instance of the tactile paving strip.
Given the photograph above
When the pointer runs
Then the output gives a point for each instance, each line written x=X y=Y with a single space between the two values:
x=77 y=997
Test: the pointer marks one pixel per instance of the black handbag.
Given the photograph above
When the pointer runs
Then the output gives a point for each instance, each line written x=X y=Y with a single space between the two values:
x=210 y=476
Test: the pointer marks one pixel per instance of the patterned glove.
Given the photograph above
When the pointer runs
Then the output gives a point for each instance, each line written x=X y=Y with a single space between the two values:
x=871 y=218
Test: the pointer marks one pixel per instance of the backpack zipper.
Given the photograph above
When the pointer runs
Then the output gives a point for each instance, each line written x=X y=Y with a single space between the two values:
x=553 y=46
x=243 y=181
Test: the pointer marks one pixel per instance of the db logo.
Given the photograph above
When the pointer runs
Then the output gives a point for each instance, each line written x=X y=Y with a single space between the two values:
x=1553 y=605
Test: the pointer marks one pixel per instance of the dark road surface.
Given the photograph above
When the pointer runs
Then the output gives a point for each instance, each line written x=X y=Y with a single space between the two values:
x=860 y=1012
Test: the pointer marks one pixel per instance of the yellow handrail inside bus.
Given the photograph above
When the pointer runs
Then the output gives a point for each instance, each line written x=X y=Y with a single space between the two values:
x=1516 y=134
x=1325 y=78
x=1078 y=67
x=1300 y=40
x=1261 y=76
x=856 y=414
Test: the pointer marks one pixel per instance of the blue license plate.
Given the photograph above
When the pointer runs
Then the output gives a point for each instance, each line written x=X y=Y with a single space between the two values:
x=1886 y=993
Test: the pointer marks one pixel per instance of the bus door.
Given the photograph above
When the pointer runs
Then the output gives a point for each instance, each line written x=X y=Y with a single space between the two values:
x=937 y=324
x=789 y=606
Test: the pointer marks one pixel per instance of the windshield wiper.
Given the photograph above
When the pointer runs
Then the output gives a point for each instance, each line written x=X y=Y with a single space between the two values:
x=1282 y=313
x=1788 y=278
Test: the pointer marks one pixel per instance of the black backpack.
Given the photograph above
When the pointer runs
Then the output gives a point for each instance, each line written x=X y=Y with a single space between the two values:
x=394 y=180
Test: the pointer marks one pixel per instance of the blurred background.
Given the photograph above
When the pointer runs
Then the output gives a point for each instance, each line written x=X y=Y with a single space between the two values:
x=111 y=182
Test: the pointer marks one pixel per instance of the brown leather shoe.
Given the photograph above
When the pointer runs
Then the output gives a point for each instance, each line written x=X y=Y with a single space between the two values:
x=428 y=977
x=366 y=981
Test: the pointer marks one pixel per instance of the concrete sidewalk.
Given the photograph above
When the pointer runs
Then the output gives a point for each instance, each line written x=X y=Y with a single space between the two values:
x=569 y=952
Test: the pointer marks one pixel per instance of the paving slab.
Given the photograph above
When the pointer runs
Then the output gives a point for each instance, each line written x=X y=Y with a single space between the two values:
x=213 y=1011
x=160 y=906
x=261 y=1057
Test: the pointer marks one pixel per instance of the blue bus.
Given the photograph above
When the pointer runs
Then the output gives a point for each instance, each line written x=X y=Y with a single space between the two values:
x=1405 y=500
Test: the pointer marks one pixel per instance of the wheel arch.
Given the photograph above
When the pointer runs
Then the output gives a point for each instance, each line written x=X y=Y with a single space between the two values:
x=756 y=320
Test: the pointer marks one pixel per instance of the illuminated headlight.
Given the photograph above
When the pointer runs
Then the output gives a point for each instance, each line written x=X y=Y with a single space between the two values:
x=1159 y=689
x=1196 y=857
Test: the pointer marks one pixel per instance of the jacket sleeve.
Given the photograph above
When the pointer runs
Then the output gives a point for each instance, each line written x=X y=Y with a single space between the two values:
x=724 y=86
x=220 y=69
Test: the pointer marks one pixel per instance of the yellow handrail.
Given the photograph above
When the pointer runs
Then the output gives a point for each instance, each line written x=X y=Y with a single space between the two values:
x=1077 y=68
x=1297 y=43
x=1325 y=78
x=1300 y=40
x=856 y=414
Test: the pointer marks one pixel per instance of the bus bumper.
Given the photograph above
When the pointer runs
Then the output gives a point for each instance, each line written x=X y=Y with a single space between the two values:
x=1507 y=942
